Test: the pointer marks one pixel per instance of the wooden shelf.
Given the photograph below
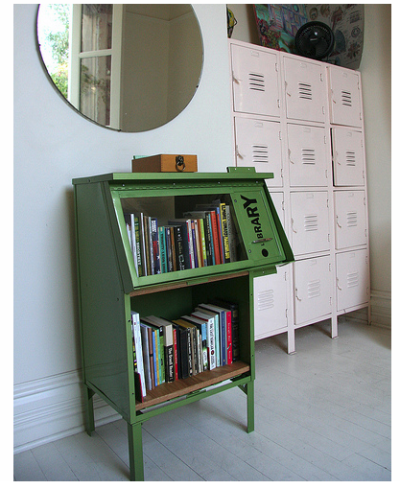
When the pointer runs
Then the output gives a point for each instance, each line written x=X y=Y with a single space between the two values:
x=151 y=289
x=181 y=387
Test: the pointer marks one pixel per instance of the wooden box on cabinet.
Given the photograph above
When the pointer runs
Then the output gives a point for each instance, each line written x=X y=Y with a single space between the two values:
x=110 y=287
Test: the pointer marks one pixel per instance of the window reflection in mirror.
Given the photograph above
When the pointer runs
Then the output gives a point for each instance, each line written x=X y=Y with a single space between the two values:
x=127 y=67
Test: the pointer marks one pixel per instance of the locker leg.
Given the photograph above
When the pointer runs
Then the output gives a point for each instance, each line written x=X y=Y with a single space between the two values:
x=291 y=342
x=369 y=314
x=334 y=326
x=135 y=452
x=250 y=406
x=89 y=411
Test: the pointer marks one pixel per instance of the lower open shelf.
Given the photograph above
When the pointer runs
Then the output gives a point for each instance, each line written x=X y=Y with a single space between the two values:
x=171 y=390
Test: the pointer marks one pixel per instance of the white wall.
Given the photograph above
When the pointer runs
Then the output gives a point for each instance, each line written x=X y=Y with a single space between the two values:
x=375 y=71
x=52 y=145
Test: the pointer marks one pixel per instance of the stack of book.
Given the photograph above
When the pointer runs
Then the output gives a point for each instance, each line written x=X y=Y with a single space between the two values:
x=168 y=350
x=203 y=237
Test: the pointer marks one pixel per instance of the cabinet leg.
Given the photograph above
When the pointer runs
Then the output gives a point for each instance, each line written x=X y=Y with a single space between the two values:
x=291 y=341
x=135 y=452
x=250 y=406
x=334 y=326
x=89 y=411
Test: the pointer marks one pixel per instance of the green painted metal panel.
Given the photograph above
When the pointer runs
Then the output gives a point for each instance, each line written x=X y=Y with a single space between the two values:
x=107 y=358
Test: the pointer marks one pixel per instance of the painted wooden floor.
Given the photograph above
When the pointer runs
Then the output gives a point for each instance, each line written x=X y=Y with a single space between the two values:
x=323 y=414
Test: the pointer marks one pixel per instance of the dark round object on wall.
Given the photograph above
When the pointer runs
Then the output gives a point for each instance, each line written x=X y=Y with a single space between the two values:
x=314 y=40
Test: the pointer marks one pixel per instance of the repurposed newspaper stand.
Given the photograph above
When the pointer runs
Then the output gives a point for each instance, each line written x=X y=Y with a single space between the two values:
x=110 y=288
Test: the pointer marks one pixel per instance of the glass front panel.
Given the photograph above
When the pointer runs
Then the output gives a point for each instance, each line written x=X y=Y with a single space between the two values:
x=95 y=88
x=184 y=232
x=96 y=27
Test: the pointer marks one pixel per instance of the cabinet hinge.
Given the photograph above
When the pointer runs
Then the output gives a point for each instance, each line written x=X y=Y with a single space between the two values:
x=330 y=301
x=286 y=313
x=324 y=139
x=323 y=109
x=280 y=135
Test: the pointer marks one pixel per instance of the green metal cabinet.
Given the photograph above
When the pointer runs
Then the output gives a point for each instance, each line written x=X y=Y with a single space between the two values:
x=109 y=287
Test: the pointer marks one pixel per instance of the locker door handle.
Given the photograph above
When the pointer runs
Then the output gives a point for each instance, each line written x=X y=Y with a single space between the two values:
x=297 y=297
x=337 y=222
x=292 y=220
x=238 y=154
x=337 y=284
x=235 y=80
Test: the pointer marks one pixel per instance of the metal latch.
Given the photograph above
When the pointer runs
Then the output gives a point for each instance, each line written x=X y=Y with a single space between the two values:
x=180 y=163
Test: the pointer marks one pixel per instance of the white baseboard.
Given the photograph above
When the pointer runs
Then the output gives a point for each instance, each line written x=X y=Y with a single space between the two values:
x=52 y=408
x=381 y=308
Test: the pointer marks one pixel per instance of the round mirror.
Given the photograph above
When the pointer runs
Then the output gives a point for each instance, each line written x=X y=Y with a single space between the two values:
x=126 y=67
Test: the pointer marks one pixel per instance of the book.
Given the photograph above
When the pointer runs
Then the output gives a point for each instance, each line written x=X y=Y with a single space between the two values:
x=187 y=239
x=137 y=338
x=155 y=243
x=209 y=318
x=163 y=250
x=224 y=229
x=183 y=350
x=203 y=242
x=146 y=357
x=181 y=247
x=176 y=354
x=143 y=243
x=234 y=308
x=192 y=345
x=159 y=350
x=225 y=331
x=149 y=333
x=167 y=341
x=138 y=247
x=232 y=234
x=201 y=324
x=217 y=336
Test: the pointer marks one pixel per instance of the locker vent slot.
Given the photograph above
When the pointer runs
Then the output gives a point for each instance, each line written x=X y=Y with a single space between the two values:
x=265 y=300
x=308 y=156
x=351 y=219
x=311 y=222
x=257 y=82
x=350 y=158
x=305 y=91
x=314 y=289
x=346 y=98
x=352 y=279
x=260 y=153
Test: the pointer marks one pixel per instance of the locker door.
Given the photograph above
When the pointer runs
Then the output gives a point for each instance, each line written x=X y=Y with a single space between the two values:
x=258 y=144
x=278 y=200
x=309 y=222
x=313 y=289
x=255 y=81
x=348 y=157
x=305 y=91
x=345 y=97
x=270 y=303
x=308 y=157
x=352 y=279
x=350 y=218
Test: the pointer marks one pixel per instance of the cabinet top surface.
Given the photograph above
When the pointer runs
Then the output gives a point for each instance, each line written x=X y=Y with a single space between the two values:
x=233 y=173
